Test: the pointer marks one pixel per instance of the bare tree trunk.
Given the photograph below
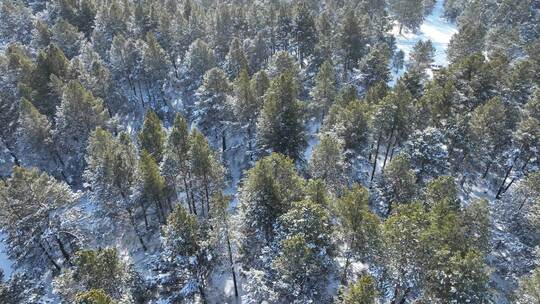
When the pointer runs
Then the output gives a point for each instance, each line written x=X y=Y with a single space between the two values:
x=487 y=169
x=376 y=156
x=134 y=224
x=65 y=254
x=49 y=257
x=388 y=146
x=231 y=262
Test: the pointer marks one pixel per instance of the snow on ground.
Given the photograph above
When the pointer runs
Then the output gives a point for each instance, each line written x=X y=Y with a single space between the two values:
x=313 y=127
x=435 y=28
x=5 y=262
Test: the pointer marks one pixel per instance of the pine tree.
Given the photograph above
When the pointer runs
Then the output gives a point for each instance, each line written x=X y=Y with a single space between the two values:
x=207 y=172
x=175 y=165
x=198 y=59
x=34 y=137
x=97 y=274
x=29 y=200
x=246 y=105
x=490 y=132
x=409 y=13
x=112 y=174
x=156 y=67
x=236 y=59
x=213 y=107
x=77 y=116
x=15 y=21
x=50 y=62
x=363 y=291
x=402 y=233
x=359 y=226
x=528 y=288
x=304 y=31
x=470 y=39
x=421 y=57
x=280 y=125
x=427 y=150
x=267 y=192
x=398 y=182
x=351 y=41
x=325 y=91
x=153 y=187
x=66 y=37
x=327 y=163
x=94 y=296
x=374 y=67
x=302 y=269
x=152 y=136
x=188 y=253
x=442 y=189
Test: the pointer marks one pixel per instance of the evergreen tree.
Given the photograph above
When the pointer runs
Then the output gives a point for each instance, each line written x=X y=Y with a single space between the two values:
x=300 y=269
x=236 y=59
x=308 y=221
x=207 y=171
x=280 y=125
x=213 y=108
x=427 y=150
x=469 y=40
x=351 y=40
x=175 y=165
x=156 y=67
x=97 y=275
x=528 y=291
x=152 y=136
x=268 y=190
x=153 y=187
x=29 y=200
x=198 y=59
x=409 y=13
x=66 y=37
x=327 y=163
x=188 y=253
x=398 y=182
x=50 y=63
x=374 y=67
x=325 y=91
x=490 y=132
x=421 y=57
x=34 y=137
x=77 y=116
x=304 y=31
x=94 y=296
x=359 y=226
x=363 y=291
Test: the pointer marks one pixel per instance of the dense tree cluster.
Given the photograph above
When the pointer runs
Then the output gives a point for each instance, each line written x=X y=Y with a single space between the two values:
x=271 y=151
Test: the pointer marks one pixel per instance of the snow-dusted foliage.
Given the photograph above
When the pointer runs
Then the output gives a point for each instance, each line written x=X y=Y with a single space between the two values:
x=310 y=151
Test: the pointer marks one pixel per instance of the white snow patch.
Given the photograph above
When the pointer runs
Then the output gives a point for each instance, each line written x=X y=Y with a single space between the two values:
x=435 y=28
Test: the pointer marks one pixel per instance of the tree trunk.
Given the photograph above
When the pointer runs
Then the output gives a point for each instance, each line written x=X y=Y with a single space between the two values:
x=65 y=254
x=144 y=214
x=376 y=156
x=487 y=169
x=137 y=233
x=187 y=194
x=388 y=146
x=499 y=192
x=232 y=263
x=206 y=194
x=49 y=257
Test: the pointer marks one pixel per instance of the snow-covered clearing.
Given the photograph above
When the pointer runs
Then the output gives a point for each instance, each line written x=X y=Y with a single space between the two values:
x=435 y=28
